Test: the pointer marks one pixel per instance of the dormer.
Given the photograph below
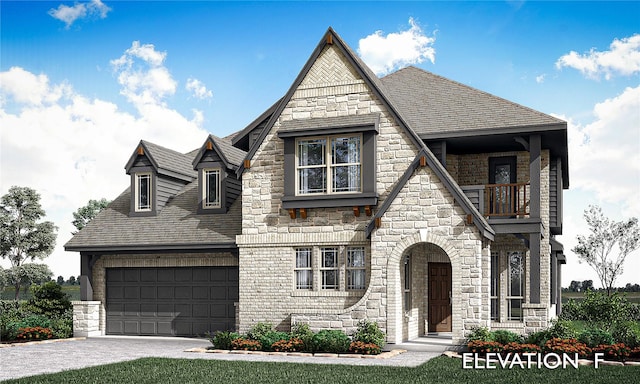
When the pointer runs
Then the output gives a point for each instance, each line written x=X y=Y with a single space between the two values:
x=157 y=174
x=216 y=164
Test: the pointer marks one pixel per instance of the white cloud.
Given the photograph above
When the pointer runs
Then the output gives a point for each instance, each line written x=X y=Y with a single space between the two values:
x=69 y=15
x=198 y=89
x=540 y=78
x=72 y=148
x=622 y=58
x=605 y=154
x=384 y=54
x=142 y=75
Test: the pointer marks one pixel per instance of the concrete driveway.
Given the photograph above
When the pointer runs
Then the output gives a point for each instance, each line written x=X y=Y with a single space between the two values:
x=35 y=359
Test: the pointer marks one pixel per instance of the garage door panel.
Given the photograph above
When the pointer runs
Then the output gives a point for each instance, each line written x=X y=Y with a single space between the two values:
x=180 y=301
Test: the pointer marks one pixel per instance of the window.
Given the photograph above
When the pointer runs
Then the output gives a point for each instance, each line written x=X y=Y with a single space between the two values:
x=211 y=188
x=329 y=165
x=407 y=283
x=303 y=270
x=495 y=286
x=143 y=200
x=329 y=268
x=515 y=294
x=355 y=268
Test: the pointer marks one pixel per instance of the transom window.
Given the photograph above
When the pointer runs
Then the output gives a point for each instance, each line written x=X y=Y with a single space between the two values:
x=327 y=165
x=211 y=188
x=143 y=200
x=329 y=268
x=303 y=270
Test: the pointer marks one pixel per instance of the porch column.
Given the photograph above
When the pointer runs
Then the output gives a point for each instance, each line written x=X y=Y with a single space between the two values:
x=86 y=266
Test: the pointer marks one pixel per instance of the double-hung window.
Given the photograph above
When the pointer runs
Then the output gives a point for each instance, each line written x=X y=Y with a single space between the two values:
x=211 y=188
x=329 y=165
x=330 y=268
x=143 y=188
x=303 y=269
x=356 y=268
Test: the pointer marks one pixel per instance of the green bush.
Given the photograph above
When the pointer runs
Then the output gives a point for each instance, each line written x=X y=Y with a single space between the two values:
x=304 y=333
x=222 y=339
x=593 y=337
x=505 y=337
x=538 y=338
x=479 y=334
x=62 y=327
x=628 y=333
x=368 y=332
x=259 y=330
x=268 y=339
x=49 y=300
x=597 y=307
x=332 y=341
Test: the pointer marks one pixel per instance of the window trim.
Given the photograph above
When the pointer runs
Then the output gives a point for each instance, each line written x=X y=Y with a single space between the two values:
x=406 y=289
x=335 y=268
x=494 y=292
x=137 y=206
x=509 y=297
x=317 y=270
x=349 y=284
x=204 y=190
x=309 y=269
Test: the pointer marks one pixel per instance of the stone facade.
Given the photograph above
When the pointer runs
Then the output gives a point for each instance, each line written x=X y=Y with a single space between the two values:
x=86 y=319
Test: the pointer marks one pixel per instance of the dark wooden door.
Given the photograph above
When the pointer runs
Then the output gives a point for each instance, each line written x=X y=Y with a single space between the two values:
x=439 y=301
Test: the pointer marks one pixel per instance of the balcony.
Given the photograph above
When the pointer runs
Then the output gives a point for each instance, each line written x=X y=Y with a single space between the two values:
x=500 y=201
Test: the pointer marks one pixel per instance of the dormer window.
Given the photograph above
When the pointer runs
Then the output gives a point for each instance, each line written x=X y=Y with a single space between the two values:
x=211 y=188
x=329 y=165
x=143 y=190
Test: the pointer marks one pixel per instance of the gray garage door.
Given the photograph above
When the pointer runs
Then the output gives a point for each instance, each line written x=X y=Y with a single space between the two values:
x=184 y=301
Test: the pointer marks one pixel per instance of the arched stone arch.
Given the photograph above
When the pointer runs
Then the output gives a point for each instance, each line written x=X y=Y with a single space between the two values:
x=394 y=289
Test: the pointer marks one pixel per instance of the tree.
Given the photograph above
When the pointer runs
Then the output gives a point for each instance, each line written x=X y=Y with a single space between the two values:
x=3 y=279
x=21 y=236
x=85 y=214
x=60 y=280
x=575 y=286
x=29 y=273
x=596 y=249
x=72 y=280
x=586 y=285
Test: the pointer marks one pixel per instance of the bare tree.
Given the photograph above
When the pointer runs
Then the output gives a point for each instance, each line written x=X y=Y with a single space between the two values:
x=596 y=249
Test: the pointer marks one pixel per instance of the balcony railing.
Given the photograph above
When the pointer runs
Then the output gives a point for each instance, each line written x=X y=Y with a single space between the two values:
x=500 y=200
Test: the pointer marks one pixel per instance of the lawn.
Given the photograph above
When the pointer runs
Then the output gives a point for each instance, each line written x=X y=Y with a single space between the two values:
x=9 y=293
x=439 y=370
x=633 y=297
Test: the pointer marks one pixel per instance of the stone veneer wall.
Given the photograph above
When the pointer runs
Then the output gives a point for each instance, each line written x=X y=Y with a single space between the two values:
x=222 y=259
x=86 y=318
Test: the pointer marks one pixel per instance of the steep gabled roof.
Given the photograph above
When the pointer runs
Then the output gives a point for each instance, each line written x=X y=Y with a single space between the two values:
x=241 y=138
x=231 y=156
x=380 y=91
x=435 y=105
x=164 y=160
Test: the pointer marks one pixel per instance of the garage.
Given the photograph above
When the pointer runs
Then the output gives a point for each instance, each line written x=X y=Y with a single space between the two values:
x=176 y=301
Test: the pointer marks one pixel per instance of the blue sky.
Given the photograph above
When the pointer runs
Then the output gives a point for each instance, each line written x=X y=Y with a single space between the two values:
x=82 y=82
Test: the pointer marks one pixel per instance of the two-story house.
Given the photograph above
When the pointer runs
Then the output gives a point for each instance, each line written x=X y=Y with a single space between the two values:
x=410 y=200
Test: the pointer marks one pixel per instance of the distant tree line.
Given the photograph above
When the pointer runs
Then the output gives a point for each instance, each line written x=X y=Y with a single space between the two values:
x=71 y=281
x=582 y=286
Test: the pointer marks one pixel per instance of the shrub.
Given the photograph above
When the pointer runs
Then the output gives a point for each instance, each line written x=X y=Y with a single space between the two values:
x=62 y=327
x=49 y=300
x=34 y=333
x=538 y=338
x=222 y=339
x=259 y=330
x=562 y=329
x=617 y=351
x=369 y=333
x=627 y=333
x=481 y=346
x=514 y=347
x=243 y=344
x=479 y=334
x=365 y=348
x=569 y=346
x=595 y=336
x=505 y=337
x=597 y=307
x=292 y=345
x=271 y=337
x=304 y=333
x=333 y=341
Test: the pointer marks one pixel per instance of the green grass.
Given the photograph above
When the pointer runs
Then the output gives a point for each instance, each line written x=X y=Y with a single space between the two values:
x=633 y=297
x=9 y=293
x=439 y=370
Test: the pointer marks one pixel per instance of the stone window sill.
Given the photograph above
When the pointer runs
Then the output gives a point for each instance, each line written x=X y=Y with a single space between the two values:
x=327 y=293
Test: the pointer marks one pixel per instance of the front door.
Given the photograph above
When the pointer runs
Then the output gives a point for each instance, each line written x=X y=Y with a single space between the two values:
x=439 y=297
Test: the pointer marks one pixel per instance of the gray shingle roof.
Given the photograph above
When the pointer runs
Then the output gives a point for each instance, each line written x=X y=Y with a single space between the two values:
x=433 y=104
x=234 y=155
x=176 y=226
x=165 y=159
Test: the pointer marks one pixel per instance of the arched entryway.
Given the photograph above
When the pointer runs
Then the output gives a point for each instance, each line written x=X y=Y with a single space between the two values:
x=422 y=288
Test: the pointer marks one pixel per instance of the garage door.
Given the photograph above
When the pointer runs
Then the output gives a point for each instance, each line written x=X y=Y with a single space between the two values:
x=184 y=301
